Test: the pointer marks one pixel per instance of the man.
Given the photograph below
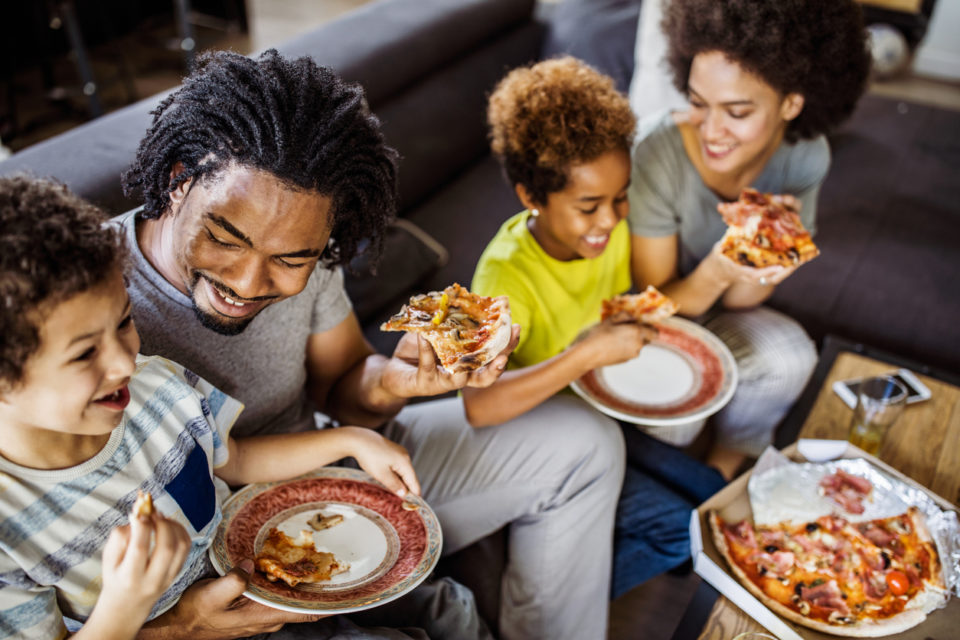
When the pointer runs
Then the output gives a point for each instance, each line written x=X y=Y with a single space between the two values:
x=259 y=179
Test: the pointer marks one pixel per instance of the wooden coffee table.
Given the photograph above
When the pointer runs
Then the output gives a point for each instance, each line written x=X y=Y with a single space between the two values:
x=924 y=444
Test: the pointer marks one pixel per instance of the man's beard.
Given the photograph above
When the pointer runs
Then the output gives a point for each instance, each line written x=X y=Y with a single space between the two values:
x=214 y=321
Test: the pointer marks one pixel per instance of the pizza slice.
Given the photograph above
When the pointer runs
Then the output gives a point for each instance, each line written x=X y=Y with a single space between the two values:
x=143 y=505
x=863 y=579
x=296 y=561
x=648 y=307
x=466 y=330
x=765 y=230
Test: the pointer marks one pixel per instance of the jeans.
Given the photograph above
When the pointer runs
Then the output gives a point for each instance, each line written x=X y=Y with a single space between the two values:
x=660 y=488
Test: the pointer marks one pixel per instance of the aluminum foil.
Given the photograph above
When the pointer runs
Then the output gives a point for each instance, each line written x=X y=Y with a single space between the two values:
x=781 y=490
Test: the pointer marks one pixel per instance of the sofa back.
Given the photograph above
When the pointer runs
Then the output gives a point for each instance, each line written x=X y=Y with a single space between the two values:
x=426 y=65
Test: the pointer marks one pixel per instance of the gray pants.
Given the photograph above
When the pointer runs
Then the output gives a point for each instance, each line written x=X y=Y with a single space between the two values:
x=775 y=358
x=553 y=475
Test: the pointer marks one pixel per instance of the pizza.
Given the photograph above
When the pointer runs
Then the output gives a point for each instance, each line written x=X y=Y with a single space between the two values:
x=296 y=561
x=864 y=579
x=648 y=307
x=143 y=505
x=466 y=330
x=764 y=230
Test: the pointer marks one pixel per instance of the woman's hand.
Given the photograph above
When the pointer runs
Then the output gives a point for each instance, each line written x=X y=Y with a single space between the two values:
x=610 y=342
x=415 y=371
x=733 y=272
x=383 y=459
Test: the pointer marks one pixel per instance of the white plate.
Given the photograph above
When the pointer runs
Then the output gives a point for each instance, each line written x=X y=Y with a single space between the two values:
x=390 y=550
x=685 y=375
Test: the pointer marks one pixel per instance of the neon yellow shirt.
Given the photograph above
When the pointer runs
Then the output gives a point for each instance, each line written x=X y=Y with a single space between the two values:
x=552 y=300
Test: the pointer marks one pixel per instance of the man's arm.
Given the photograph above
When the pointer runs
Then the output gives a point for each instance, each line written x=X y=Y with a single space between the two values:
x=349 y=381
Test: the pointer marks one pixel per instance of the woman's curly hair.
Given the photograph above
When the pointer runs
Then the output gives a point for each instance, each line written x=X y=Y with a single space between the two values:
x=553 y=115
x=291 y=118
x=53 y=245
x=816 y=48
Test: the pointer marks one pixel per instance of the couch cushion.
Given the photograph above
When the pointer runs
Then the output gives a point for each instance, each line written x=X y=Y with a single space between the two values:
x=390 y=44
x=889 y=236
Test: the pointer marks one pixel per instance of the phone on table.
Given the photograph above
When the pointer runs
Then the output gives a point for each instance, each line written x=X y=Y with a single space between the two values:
x=916 y=390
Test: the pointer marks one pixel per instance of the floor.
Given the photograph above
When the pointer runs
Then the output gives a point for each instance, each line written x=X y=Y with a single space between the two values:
x=650 y=611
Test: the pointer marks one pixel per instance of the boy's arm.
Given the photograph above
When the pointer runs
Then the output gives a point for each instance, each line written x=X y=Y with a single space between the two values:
x=284 y=456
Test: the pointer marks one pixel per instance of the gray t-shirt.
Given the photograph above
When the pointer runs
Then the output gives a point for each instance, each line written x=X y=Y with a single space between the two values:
x=668 y=196
x=264 y=367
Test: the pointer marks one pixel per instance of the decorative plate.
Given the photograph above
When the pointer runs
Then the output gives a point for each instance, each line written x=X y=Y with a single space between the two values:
x=686 y=374
x=390 y=549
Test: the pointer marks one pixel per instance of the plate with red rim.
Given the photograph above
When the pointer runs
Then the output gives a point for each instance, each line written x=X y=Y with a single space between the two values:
x=685 y=374
x=391 y=548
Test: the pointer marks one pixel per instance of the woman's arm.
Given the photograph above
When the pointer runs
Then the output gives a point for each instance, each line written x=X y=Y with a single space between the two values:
x=518 y=391
x=656 y=260
x=283 y=456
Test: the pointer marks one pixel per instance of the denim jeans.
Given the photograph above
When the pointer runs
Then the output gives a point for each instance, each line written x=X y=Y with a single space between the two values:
x=661 y=486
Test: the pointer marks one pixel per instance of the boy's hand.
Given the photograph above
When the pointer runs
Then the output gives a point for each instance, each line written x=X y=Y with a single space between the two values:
x=134 y=575
x=217 y=610
x=386 y=461
x=414 y=370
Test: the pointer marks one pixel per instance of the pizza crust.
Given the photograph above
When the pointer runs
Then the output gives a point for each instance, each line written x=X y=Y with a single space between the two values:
x=910 y=617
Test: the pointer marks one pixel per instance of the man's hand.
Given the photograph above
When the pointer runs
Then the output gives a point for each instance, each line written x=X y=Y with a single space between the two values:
x=415 y=371
x=217 y=610
x=734 y=273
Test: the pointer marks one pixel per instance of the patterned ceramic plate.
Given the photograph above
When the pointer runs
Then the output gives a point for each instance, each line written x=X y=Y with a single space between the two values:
x=390 y=550
x=686 y=374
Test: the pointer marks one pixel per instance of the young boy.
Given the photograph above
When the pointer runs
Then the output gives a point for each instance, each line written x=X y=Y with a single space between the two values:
x=85 y=423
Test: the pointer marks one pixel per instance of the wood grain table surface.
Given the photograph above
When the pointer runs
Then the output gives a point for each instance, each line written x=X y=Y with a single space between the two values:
x=924 y=443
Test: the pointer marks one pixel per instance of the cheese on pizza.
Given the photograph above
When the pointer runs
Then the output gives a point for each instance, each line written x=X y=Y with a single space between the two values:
x=296 y=561
x=764 y=230
x=648 y=307
x=861 y=579
x=466 y=330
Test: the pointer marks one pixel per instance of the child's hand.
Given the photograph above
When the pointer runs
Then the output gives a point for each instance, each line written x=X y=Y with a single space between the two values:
x=136 y=575
x=609 y=343
x=386 y=461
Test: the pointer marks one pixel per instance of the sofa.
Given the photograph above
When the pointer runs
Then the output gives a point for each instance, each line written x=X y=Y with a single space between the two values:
x=889 y=222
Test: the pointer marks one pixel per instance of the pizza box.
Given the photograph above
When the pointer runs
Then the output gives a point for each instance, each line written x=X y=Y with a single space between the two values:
x=733 y=504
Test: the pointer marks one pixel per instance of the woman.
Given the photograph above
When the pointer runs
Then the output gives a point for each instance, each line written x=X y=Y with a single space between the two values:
x=765 y=81
x=562 y=133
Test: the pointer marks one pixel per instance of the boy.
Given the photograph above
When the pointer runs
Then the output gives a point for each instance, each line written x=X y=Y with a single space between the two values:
x=85 y=424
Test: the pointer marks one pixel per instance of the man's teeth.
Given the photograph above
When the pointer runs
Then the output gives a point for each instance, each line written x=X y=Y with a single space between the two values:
x=113 y=397
x=233 y=302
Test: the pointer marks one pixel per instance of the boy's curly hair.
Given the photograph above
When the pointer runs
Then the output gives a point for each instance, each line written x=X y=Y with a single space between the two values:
x=816 y=48
x=53 y=245
x=289 y=117
x=553 y=115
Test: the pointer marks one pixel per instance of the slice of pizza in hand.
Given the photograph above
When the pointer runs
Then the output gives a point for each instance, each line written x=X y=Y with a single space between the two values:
x=296 y=561
x=648 y=307
x=466 y=330
x=143 y=505
x=764 y=230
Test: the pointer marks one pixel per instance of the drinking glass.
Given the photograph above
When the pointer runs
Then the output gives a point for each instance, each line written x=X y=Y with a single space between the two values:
x=754 y=635
x=880 y=402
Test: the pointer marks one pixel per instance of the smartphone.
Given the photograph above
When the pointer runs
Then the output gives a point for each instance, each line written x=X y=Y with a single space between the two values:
x=916 y=390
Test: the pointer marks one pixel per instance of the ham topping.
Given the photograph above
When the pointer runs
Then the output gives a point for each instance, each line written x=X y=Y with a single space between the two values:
x=846 y=490
x=826 y=596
